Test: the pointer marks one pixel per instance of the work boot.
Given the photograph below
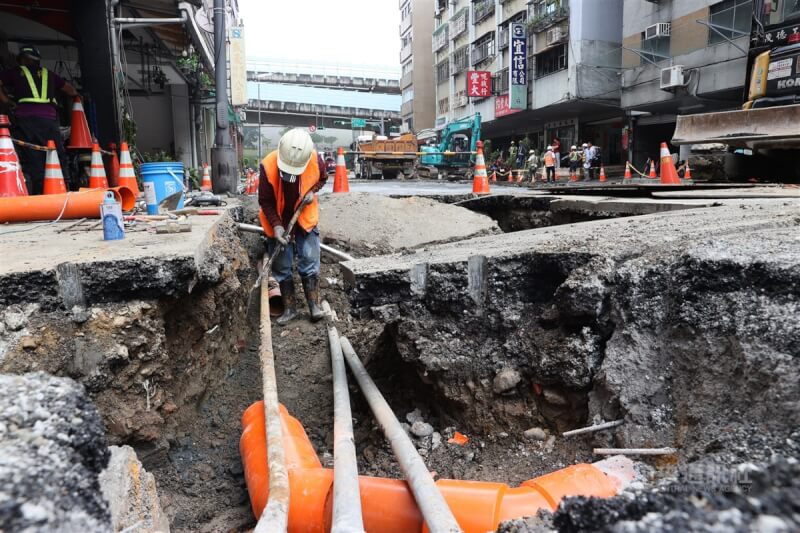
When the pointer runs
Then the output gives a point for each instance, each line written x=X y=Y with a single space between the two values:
x=288 y=298
x=311 y=288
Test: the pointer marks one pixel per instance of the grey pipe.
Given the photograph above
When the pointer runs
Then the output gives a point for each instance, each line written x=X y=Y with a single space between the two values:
x=430 y=501
x=275 y=517
x=346 y=497
x=338 y=254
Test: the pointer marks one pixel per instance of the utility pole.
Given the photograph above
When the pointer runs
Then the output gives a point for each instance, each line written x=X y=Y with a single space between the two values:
x=223 y=157
x=258 y=83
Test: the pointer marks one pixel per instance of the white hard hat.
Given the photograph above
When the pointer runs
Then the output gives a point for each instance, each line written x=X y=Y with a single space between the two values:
x=585 y=145
x=549 y=147
x=574 y=147
x=531 y=152
x=294 y=151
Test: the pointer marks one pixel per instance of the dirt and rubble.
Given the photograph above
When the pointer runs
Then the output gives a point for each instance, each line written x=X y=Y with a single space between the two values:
x=680 y=324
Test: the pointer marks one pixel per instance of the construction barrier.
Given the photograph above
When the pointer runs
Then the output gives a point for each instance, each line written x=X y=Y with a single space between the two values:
x=127 y=176
x=669 y=175
x=97 y=172
x=79 y=136
x=71 y=205
x=480 y=180
x=206 y=185
x=12 y=181
x=53 y=177
x=388 y=505
x=340 y=181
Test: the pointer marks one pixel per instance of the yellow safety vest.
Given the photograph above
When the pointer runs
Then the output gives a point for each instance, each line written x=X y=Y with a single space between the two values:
x=37 y=97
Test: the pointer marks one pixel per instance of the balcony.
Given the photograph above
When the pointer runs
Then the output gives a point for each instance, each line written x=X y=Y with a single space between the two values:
x=406 y=109
x=406 y=79
x=542 y=20
x=443 y=71
x=500 y=82
x=458 y=24
x=483 y=51
x=440 y=37
x=481 y=10
x=405 y=52
x=405 y=24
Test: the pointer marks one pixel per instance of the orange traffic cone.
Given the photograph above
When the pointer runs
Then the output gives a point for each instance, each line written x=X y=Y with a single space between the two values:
x=340 y=183
x=519 y=176
x=602 y=174
x=573 y=176
x=97 y=173
x=255 y=182
x=127 y=177
x=480 y=180
x=205 y=185
x=628 y=175
x=494 y=177
x=688 y=174
x=510 y=178
x=12 y=182
x=113 y=166
x=669 y=176
x=79 y=136
x=53 y=178
x=652 y=174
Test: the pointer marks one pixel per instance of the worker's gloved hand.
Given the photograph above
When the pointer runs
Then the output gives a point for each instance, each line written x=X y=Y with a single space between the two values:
x=308 y=198
x=280 y=236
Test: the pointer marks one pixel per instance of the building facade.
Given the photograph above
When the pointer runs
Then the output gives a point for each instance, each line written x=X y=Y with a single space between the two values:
x=573 y=66
x=416 y=60
x=682 y=57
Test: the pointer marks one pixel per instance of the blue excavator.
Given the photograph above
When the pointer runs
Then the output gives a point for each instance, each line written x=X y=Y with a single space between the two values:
x=449 y=153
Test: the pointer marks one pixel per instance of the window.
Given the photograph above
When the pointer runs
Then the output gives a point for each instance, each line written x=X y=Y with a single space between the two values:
x=458 y=24
x=551 y=61
x=655 y=49
x=444 y=105
x=406 y=11
x=483 y=49
x=408 y=94
x=407 y=39
x=481 y=9
x=500 y=82
x=730 y=18
x=779 y=11
x=443 y=71
x=408 y=67
x=460 y=59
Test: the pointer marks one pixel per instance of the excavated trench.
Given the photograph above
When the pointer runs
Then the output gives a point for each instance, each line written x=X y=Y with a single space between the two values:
x=508 y=339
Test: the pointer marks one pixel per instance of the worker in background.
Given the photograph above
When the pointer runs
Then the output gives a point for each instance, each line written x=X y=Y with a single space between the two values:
x=35 y=116
x=519 y=164
x=574 y=160
x=290 y=178
x=533 y=164
x=550 y=164
x=588 y=161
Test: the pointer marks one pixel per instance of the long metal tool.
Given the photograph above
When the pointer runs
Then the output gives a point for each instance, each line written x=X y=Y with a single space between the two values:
x=592 y=429
x=432 y=504
x=338 y=254
x=346 y=497
x=275 y=517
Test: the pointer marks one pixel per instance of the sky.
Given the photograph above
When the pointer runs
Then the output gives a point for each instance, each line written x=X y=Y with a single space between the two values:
x=353 y=35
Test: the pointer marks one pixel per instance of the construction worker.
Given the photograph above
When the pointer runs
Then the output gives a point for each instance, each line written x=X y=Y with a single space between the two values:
x=589 y=154
x=556 y=144
x=290 y=178
x=574 y=159
x=533 y=164
x=35 y=115
x=550 y=164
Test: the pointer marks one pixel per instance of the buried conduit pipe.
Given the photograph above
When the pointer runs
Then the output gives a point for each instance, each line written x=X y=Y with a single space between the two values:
x=275 y=517
x=338 y=254
x=438 y=516
x=346 y=496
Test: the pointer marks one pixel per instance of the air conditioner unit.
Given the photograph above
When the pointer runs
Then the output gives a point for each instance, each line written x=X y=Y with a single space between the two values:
x=662 y=29
x=554 y=35
x=672 y=77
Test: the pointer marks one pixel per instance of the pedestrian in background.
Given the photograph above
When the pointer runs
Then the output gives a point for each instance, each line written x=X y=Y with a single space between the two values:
x=557 y=151
x=550 y=164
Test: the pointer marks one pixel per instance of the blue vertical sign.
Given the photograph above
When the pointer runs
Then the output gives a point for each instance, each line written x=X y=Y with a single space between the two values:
x=518 y=67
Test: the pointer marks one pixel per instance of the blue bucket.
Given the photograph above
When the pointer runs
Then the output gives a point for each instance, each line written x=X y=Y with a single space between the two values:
x=160 y=180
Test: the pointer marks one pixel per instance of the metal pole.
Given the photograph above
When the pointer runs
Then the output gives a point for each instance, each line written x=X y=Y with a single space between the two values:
x=275 y=517
x=338 y=254
x=430 y=501
x=592 y=429
x=224 y=174
x=260 y=153
x=346 y=497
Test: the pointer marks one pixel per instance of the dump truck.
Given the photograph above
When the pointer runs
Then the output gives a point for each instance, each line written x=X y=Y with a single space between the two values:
x=451 y=151
x=763 y=137
x=378 y=156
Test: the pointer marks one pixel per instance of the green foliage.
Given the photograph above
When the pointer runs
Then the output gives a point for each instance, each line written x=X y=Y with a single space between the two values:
x=195 y=177
x=487 y=146
x=156 y=157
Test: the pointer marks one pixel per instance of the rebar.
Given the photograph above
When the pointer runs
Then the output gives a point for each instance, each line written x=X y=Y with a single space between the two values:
x=592 y=429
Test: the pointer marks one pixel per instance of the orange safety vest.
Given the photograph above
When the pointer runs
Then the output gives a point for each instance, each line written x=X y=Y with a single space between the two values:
x=549 y=159
x=309 y=216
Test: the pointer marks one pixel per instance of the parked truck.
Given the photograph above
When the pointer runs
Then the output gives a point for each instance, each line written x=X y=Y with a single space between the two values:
x=763 y=137
x=381 y=157
x=450 y=153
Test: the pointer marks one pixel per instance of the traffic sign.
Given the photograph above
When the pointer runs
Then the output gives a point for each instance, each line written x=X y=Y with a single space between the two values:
x=312 y=128
x=357 y=123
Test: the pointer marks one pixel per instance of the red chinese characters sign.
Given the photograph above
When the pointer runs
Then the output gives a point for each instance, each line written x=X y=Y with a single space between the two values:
x=502 y=106
x=479 y=83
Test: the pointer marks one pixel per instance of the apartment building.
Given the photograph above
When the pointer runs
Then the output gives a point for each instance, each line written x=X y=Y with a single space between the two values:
x=683 y=57
x=416 y=60
x=573 y=67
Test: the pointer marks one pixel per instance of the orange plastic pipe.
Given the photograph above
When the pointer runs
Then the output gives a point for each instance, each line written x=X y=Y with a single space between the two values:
x=388 y=504
x=82 y=204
